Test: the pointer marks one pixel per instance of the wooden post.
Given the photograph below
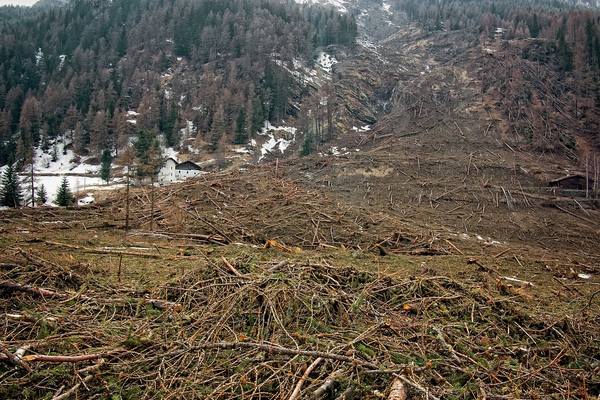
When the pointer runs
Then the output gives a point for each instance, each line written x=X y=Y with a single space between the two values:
x=127 y=200
x=32 y=185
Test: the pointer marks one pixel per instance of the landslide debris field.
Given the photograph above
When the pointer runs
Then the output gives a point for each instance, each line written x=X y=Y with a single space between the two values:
x=347 y=277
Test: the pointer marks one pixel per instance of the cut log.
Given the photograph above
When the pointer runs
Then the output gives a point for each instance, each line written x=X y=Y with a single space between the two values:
x=298 y=387
x=397 y=392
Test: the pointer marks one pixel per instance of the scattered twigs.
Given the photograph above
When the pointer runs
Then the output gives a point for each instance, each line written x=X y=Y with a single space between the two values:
x=503 y=252
x=70 y=359
x=320 y=392
x=163 y=304
x=209 y=224
x=589 y=304
x=453 y=246
x=40 y=292
x=569 y=288
x=85 y=380
x=280 y=350
x=278 y=266
x=582 y=209
x=230 y=267
x=481 y=266
x=574 y=215
x=32 y=319
x=508 y=197
x=19 y=359
x=245 y=336
x=553 y=362
x=104 y=251
x=51 y=294
x=442 y=341
x=348 y=390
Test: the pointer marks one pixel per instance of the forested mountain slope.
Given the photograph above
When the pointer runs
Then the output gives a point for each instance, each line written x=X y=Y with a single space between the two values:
x=204 y=75
x=70 y=74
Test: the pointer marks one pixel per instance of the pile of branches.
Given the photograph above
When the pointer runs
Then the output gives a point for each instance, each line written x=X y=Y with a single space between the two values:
x=253 y=208
x=286 y=330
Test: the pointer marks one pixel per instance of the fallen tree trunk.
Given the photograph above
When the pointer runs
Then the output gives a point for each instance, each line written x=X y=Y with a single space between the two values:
x=71 y=359
x=103 y=251
x=46 y=293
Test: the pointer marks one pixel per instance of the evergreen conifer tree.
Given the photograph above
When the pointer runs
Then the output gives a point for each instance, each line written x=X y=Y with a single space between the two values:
x=41 y=195
x=11 y=189
x=105 y=166
x=241 y=135
x=64 y=197
x=307 y=145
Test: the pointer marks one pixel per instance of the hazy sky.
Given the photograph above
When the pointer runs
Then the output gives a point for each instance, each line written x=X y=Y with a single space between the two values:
x=17 y=2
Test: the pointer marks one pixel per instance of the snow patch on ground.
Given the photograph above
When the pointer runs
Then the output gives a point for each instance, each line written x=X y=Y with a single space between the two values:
x=88 y=199
x=307 y=75
x=326 y=61
x=132 y=116
x=82 y=178
x=169 y=152
x=335 y=151
x=338 y=4
x=373 y=48
x=276 y=139
x=242 y=150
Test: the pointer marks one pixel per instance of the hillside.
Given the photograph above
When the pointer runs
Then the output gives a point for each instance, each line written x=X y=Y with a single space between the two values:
x=358 y=266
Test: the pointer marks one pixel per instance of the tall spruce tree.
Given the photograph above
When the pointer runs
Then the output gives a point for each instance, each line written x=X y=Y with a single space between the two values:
x=41 y=195
x=241 y=134
x=106 y=165
x=11 y=189
x=64 y=197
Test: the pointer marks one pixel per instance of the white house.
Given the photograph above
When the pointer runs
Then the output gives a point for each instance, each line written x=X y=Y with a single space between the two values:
x=172 y=171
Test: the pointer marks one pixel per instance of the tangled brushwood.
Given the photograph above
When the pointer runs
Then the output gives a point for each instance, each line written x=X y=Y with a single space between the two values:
x=292 y=329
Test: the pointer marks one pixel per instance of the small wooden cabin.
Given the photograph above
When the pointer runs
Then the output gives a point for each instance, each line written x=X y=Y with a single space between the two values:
x=573 y=182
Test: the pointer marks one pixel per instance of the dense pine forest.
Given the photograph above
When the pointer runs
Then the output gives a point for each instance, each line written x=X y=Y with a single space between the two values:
x=69 y=75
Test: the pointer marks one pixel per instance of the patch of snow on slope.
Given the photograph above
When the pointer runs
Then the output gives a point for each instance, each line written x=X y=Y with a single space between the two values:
x=132 y=115
x=169 y=152
x=82 y=178
x=338 y=4
x=50 y=173
x=39 y=56
x=274 y=143
x=188 y=135
x=88 y=199
x=372 y=47
x=326 y=61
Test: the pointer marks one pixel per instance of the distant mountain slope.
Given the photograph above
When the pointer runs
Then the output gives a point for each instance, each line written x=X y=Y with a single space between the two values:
x=529 y=70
